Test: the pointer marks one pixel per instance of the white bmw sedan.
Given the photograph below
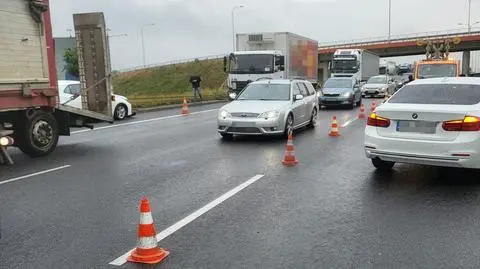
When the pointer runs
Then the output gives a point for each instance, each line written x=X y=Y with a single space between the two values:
x=430 y=122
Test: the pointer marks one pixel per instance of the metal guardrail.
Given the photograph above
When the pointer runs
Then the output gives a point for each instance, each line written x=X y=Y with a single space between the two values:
x=400 y=37
x=181 y=61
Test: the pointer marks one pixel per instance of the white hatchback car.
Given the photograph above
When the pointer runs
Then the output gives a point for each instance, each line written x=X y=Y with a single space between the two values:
x=69 y=93
x=429 y=121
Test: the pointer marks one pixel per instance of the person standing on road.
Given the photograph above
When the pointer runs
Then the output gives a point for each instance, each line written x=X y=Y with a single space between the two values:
x=195 y=80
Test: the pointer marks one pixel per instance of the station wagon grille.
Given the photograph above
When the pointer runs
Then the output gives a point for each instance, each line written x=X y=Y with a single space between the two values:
x=331 y=94
x=245 y=130
x=244 y=115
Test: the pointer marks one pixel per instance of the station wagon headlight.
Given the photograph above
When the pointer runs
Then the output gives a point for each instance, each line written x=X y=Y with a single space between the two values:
x=269 y=114
x=347 y=94
x=224 y=114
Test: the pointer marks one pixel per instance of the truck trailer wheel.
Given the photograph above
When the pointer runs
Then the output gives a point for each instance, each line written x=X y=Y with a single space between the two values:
x=38 y=135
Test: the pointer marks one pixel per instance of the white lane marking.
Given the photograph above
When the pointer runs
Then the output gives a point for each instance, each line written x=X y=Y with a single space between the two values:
x=34 y=174
x=142 y=121
x=177 y=226
x=349 y=122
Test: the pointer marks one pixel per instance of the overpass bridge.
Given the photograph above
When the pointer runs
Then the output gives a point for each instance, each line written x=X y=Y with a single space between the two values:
x=400 y=45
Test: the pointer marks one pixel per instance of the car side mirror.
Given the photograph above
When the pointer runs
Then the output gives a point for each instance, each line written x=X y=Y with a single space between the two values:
x=298 y=97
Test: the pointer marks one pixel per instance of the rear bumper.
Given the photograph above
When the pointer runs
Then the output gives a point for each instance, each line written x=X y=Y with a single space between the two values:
x=462 y=153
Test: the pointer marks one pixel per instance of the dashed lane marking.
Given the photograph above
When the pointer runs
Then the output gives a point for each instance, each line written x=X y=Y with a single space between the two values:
x=349 y=122
x=34 y=174
x=177 y=226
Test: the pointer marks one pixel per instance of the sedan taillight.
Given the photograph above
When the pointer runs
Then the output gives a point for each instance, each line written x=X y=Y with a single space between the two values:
x=374 y=120
x=469 y=123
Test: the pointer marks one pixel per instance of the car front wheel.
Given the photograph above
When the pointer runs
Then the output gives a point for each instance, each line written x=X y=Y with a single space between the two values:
x=313 y=119
x=288 y=125
x=120 y=112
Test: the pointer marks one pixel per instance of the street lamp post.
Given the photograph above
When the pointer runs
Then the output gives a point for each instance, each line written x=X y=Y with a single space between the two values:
x=143 y=42
x=233 y=24
x=469 y=13
x=108 y=45
x=389 y=19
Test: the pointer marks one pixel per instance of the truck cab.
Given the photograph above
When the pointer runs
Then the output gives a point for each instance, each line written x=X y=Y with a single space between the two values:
x=437 y=62
x=359 y=64
x=277 y=55
x=244 y=67
x=437 y=68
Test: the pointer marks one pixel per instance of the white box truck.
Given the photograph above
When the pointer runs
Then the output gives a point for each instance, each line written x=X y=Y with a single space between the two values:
x=271 y=55
x=358 y=63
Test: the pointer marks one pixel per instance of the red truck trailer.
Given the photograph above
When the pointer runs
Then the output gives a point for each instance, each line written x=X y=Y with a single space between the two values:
x=31 y=117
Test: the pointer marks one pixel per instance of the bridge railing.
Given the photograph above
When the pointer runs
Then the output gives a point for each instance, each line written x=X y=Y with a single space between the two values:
x=397 y=38
x=187 y=60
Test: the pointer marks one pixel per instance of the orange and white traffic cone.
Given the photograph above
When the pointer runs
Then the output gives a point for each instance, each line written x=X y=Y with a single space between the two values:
x=373 y=106
x=185 y=107
x=334 y=130
x=361 y=115
x=289 y=158
x=147 y=250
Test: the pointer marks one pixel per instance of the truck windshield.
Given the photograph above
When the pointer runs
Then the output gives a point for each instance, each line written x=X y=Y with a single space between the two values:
x=345 y=66
x=437 y=70
x=266 y=92
x=338 y=83
x=252 y=64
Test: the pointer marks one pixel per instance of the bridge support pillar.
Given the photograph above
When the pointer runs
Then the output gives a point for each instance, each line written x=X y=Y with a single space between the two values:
x=466 y=63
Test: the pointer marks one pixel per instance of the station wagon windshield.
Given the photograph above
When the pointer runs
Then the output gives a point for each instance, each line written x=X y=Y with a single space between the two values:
x=338 y=83
x=377 y=80
x=266 y=92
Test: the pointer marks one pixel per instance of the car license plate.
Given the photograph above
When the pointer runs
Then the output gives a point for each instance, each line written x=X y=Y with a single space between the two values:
x=426 y=127
x=243 y=124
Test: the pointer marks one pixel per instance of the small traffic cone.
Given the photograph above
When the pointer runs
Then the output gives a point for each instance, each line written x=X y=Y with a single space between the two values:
x=361 y=115
x=147 y=250
x=334 y=130
x=289 y=158
x=373 y=106
x=185 y=107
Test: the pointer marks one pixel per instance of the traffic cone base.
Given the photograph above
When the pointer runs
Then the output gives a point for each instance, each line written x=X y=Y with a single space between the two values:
x=148 y=256
x=289 y=158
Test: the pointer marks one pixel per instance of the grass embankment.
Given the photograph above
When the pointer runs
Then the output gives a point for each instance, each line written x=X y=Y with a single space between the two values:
x=167 y=85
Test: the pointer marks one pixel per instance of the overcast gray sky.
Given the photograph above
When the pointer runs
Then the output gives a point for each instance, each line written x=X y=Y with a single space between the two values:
x=193 y=28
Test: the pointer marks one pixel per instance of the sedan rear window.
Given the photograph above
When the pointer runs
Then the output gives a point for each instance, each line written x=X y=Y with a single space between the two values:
x=438 y=94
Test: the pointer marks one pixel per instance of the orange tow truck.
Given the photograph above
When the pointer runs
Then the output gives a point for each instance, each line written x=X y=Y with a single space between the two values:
x=437 y=63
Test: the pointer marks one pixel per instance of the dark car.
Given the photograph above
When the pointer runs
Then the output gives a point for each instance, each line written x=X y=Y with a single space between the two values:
x=339 y=92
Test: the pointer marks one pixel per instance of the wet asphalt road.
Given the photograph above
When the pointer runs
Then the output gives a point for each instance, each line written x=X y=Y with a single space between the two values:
x=331 y=211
